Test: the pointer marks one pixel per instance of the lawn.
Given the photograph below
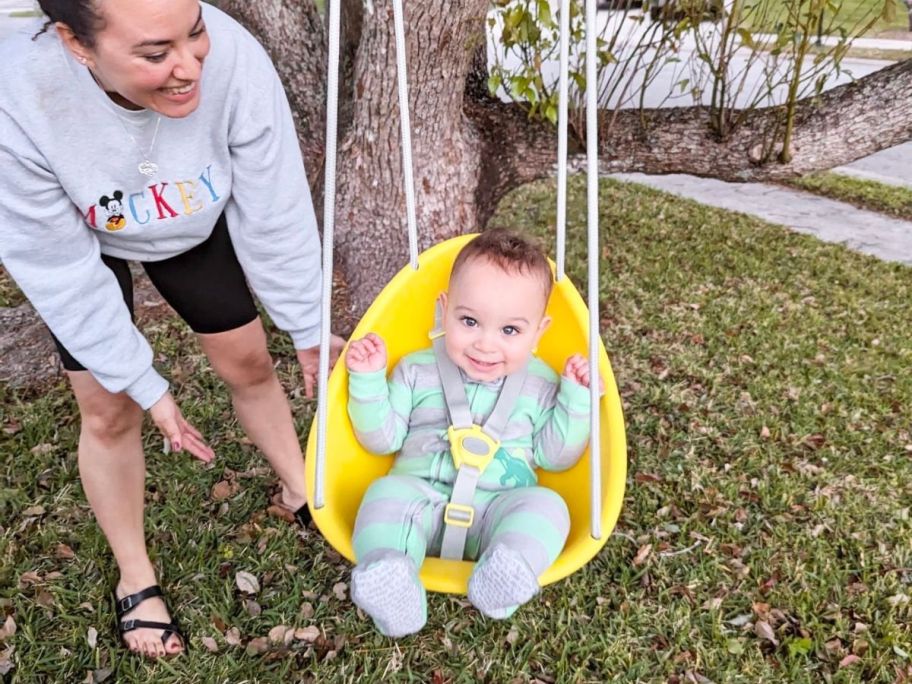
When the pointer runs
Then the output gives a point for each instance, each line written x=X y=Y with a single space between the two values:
x=893 y=200
x=765 y=535
x=839 y=14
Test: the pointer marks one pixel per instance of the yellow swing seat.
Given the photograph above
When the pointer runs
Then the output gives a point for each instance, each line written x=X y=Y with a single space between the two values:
x=403 y=314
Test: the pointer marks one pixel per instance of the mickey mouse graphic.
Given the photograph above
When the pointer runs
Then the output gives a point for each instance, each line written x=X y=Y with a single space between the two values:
x=114 y=208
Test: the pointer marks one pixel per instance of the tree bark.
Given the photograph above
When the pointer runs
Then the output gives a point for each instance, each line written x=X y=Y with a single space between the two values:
x=844 y=124
x=293 y=34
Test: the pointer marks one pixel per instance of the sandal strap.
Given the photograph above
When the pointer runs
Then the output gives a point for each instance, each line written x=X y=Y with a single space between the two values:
x=128 y=603
x=168 y=627
x=303 y=516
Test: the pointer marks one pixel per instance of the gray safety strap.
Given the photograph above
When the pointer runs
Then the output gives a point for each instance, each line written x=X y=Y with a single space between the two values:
x=452 y=546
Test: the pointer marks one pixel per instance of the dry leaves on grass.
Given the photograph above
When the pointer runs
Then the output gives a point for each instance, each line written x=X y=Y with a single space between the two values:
x=247 y=582
x=8 y=629
x=224 y=489
x=642 y=554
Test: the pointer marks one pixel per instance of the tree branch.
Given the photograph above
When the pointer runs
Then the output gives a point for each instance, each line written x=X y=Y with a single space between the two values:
x=841 y=125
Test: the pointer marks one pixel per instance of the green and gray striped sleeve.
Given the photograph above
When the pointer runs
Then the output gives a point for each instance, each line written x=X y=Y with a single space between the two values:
x=379 y=410
x=562 y=431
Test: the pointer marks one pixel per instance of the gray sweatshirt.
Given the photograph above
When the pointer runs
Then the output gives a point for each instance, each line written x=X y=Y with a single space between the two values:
x=70 y=190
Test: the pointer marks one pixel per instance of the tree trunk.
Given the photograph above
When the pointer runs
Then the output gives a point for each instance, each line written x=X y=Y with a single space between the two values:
x=469 y=150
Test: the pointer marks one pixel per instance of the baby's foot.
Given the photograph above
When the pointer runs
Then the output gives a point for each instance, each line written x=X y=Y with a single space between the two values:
x=144 y=640
x=502 y=581
x=390 y=592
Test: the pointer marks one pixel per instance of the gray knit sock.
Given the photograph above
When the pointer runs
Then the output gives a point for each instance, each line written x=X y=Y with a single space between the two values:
x=390 y=592
x=502 y=581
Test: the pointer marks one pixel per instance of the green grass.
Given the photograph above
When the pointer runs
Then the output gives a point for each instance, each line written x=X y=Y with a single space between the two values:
x=850 y=15
x=866 y=194
x=766 y=391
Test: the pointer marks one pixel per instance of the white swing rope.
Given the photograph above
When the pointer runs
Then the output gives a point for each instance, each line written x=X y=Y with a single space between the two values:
x=329 y=217
x=405 y=126
x=592 y=247
x=329 y=208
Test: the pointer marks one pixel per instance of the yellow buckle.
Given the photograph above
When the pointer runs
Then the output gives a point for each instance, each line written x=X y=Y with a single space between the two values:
x=459 y=509
x=471 y=446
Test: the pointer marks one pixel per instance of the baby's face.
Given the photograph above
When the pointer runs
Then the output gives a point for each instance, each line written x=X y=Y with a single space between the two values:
x=493 y=319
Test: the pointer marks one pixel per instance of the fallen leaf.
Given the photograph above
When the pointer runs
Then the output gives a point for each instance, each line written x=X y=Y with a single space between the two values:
x=8 y=629
x=308 y=634
x=92 y=637
x=898 y=600
x=764 y=432
x=33 y=511
x=224 y=489
x=257 y=645
x=101 y=675
x=209 y=644
x=740 y=620
x=850 y=659
x=253 y=608
x=646 y=477
x=712 y=604
x=41 y=449
x=233 y=637
x=27 y=578
x=763 y=630
x=307 y=610
x=339 y=589
x=642 y=554
x=512 y=636
x=64 y=552
x=277 y=634
x=45 y=599
x=246 y=582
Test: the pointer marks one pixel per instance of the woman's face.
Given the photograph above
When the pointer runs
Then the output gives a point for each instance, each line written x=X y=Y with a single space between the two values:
x=148 y=54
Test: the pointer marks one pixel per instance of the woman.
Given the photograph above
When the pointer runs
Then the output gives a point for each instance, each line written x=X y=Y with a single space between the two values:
x=156 y=131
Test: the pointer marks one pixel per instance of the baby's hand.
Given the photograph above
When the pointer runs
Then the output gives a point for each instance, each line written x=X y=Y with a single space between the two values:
x=366 y=355
x=577 y=369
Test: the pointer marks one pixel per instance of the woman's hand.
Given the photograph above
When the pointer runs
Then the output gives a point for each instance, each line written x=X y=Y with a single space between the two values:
x=310 y=362
x=179 y=433
x=366 y=355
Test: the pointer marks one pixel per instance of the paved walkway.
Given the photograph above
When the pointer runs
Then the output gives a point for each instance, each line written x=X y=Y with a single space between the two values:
x=865 y=231
x=892 y=166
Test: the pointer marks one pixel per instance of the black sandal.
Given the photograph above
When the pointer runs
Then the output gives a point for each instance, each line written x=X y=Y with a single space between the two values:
x=302 y=516
x=124 y=605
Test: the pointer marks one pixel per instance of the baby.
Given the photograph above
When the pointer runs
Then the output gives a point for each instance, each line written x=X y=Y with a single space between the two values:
x=481 y=369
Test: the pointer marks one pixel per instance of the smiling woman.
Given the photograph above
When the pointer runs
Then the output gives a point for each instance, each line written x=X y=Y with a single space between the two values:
x=156 y=131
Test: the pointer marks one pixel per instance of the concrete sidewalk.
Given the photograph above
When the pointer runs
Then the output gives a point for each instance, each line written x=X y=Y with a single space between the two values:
x=864 y=231
x=861 y=43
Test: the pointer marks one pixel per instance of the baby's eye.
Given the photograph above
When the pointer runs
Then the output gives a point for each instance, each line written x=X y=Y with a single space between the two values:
x=468 y=321
x=510 y=330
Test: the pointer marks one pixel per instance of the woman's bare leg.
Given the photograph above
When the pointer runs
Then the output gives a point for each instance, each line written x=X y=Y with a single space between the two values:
x=241 y=359
x=112 y=469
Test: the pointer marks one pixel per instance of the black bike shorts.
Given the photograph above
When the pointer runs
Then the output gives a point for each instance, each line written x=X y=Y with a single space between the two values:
x=204 y=285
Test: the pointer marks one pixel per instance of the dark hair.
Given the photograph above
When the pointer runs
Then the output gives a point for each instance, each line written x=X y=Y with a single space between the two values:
x=80 y=15
x=511 y=252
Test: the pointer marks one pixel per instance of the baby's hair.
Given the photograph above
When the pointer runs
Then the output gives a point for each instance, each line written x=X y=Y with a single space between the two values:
x=511 y=252
x=80 y=15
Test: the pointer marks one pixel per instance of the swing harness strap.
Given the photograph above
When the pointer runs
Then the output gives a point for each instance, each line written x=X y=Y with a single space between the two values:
x=472 y=446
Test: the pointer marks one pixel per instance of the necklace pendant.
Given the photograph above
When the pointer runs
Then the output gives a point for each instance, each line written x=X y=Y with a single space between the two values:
x=148 y=168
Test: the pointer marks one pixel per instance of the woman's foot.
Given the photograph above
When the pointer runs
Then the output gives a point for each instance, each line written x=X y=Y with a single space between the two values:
x=289 y=507
x=146 y=640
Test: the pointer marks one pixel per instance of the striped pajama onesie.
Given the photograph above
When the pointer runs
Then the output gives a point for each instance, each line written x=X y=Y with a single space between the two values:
x=401 y=516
